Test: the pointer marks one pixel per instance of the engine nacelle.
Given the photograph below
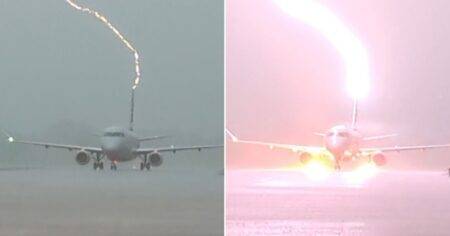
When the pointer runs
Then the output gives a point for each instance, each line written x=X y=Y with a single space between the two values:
x=155 y=159
x=379 y=159
x=82 y=157
x=305 y=157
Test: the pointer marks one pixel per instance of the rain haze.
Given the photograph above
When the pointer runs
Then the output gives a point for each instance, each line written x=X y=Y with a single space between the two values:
x=298 y=85
x=286 y=82
x=66 y=77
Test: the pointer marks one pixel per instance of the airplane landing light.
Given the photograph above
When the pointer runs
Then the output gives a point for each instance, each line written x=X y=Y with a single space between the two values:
x=361 y=174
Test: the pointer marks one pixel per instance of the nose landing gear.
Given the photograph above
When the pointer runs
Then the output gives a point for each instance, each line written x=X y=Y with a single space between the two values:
x=145 y=164
x=113 y=165
x=337 y=164
x=98 y=165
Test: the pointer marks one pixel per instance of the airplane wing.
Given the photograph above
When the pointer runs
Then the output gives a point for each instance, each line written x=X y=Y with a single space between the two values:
x=175 y=149
x=379 y=137
x=292 y=147
x=55 y=145
x=152 y=138
x=11 y=139
x=405 y=148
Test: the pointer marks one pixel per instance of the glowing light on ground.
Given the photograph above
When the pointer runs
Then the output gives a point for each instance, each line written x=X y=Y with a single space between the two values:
x=316 y=170
x=361 y=173
x=321 y=168
x=346 y=43
x=117 y=33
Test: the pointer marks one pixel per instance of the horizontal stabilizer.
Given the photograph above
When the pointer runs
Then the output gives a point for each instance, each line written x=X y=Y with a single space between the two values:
x=152 y=138
x=379 y=137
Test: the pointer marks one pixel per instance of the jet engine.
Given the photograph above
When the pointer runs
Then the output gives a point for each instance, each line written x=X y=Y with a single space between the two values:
x=155 y=159
x=305 y=157
x=379 y=159
x=82 y=157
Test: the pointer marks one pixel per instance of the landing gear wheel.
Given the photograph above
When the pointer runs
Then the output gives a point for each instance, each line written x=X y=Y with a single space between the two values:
x=337 y=167
x=142 y=165
x=98 y=165
x=148 y=166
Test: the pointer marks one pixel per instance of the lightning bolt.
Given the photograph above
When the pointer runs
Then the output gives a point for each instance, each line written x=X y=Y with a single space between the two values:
x=119 y=35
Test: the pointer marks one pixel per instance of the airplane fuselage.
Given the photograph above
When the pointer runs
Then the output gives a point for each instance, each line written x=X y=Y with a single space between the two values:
x=342 y=141
x=119 y=144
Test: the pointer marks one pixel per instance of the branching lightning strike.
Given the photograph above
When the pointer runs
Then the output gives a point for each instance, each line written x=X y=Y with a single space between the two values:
x=117 y=33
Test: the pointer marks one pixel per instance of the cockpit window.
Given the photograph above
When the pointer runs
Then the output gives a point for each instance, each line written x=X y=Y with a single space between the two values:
x=339 y=134
x=114 y=134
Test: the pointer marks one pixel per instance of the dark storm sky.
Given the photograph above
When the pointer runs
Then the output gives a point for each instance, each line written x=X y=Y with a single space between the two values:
x=60 y=66
x=286 y=81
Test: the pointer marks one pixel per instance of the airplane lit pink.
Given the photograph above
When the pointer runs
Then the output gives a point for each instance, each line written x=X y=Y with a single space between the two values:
x=344 y=143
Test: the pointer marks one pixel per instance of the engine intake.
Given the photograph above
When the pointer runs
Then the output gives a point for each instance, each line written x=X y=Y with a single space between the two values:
x=305 y=157
x=379 y=159
x=82 y=157
x=155 y=159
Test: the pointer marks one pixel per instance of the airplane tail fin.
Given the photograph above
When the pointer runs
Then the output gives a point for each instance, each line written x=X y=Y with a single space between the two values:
x=379 y=137
x=355 y=113
x=132 y=111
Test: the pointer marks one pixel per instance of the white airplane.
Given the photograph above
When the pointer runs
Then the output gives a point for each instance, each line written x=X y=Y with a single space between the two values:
x=344 y=144
x=117 y=145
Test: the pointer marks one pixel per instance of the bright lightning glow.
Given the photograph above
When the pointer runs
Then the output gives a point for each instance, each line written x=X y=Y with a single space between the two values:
x=361 y=174
x=348 y=45
x=316 y=170
x=117 y=33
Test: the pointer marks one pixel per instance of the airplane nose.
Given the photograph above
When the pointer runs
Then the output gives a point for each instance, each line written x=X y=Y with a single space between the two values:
x=335 y=145
x=110 y=146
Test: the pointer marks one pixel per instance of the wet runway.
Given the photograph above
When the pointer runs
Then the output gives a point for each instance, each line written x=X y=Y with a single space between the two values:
x=80 y=201
x=280 y=202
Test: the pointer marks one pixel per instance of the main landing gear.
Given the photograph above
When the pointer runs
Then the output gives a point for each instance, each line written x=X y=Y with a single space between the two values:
x=98 y=164
x=145 y=164
x=337 y=164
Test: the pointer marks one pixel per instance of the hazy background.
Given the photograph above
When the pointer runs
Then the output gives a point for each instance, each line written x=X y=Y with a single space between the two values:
x=65 y=76
x=285 y=81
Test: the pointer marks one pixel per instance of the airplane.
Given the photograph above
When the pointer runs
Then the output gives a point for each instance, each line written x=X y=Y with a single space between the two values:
x=118 y=144
x=344 y=143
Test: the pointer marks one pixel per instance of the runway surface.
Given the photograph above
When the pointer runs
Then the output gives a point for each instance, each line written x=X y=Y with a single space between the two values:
x=279 y=202
x=81 y=201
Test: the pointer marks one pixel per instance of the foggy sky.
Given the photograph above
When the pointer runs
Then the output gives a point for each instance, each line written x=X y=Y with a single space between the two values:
x=285 y=81
x=62 y=68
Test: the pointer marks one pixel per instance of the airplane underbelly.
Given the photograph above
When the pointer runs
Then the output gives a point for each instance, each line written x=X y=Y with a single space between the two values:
x=120 y=157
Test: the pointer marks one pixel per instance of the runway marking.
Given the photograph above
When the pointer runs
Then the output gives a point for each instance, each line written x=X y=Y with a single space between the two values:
x=105 y=21
x=293 y=227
